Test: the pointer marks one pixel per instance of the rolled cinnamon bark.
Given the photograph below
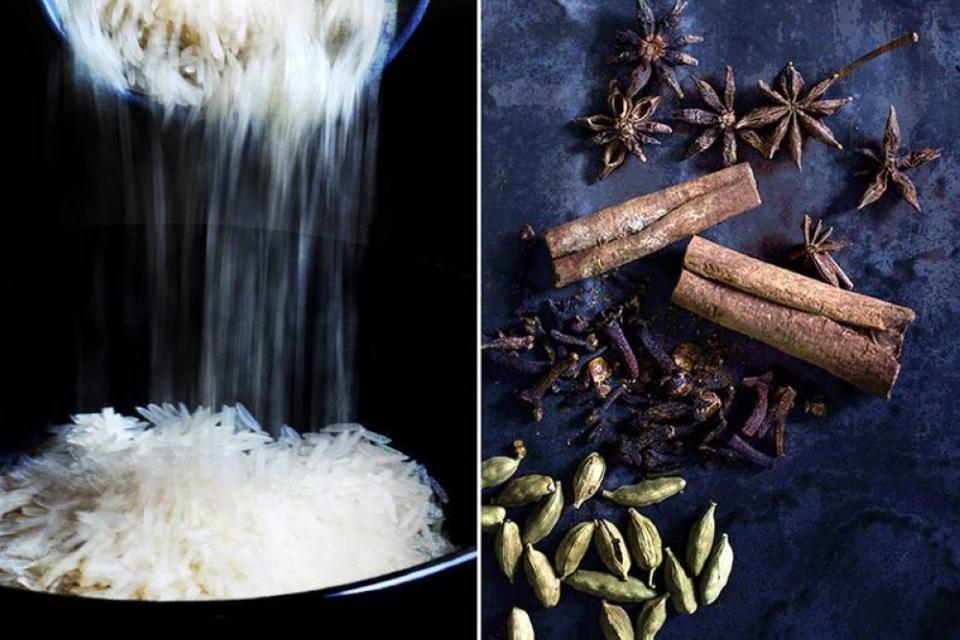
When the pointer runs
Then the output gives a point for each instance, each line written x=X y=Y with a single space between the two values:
x=618 y=235
x=760 y=278
x=634 y=215
x=855 y=337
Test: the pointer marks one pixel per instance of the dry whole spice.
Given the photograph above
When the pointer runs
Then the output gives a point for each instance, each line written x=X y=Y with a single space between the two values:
x=818 y=250
x=611 y=548
x=657 y=48
x=497 y=470
x=625 y=129
x=525 y=490
x=491 y=516
x=716 y=572
x=646 y=492
x=519 y=626
x=544 y=517
x=644 y=543
x=609 y=587
x=588 y=478
x=719 y=121
x=615 y=623
x=652 y=615
x=890 y=165
x=542 y=579
x=682 y=592
x=508 y=548
x=573 y=547
x=700 y=541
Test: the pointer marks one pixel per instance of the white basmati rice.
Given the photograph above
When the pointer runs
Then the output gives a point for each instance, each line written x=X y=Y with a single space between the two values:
x=207 y=505
x=296 y=61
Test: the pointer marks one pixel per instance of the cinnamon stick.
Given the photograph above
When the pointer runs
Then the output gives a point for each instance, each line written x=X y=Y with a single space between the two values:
x=759 y=278
x=632 y=216
x=617 y=235
x=852 y=336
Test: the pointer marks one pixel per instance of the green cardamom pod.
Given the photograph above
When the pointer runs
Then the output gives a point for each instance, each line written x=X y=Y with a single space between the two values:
x=573 y=547
x=682 y=593
x=491 y=516
x=497 y=470
x=544 y=517
x=519 y=626
x=525 y=490
x=700 y=541
x=716 y=572
x=588 y=478
x=644 y=543
x=612 y=548
x=652 y=615
x=615 y=623
x=646 y=492
x=507 y=548
x=542 y=579
x=609 y=587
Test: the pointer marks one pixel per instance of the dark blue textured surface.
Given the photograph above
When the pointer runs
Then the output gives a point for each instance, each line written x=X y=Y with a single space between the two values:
x=856 y=534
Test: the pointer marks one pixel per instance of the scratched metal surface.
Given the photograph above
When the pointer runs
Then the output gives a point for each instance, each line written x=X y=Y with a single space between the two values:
x=856 y=534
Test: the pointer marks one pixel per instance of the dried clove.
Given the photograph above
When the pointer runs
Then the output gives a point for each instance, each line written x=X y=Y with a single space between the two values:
x=761 y=385
x=614 y=331
x=747 y=452
x=574 y=341
x=783 y=400
x=513 y=360
x=510 y=343
x=536 y=394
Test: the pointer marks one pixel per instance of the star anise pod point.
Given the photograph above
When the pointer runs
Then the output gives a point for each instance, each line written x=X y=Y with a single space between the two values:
x=720 y=120
x=626 y=129
x=817 y=250
x=658 y=47
x=795 y=109
x=891 y=165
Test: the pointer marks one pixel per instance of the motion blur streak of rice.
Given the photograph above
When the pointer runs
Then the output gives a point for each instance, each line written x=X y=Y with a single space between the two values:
x=202 y=505
x=263 y=166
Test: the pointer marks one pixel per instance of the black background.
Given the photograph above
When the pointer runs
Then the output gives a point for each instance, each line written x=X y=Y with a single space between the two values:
x=418 y=302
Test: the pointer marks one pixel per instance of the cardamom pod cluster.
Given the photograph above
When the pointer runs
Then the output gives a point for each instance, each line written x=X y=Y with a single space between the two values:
x=697 y=580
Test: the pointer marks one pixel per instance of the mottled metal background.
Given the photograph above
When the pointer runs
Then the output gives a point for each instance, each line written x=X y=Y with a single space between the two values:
x=856 y=534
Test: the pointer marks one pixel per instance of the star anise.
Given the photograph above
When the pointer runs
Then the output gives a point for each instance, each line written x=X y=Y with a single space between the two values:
x=817 y=249
x=658 y=47
x=892 y=166
x=625 y=129
x=720 y=120
x=795 y=110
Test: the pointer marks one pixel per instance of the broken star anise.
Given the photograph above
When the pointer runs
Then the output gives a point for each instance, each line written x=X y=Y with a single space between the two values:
x=720 y=120
x=892 y=165
x=795 y=110
x=658 y=47
x=625 y=129
x=817 y=249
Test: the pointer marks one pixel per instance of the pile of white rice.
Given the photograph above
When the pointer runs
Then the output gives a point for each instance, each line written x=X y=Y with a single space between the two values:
x=207 y=505
x=294 y=60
